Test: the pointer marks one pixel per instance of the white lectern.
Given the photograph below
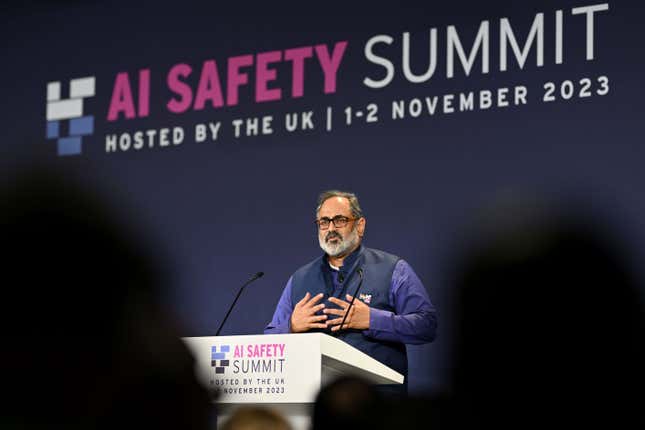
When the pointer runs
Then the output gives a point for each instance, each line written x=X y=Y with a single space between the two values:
x=282 y=371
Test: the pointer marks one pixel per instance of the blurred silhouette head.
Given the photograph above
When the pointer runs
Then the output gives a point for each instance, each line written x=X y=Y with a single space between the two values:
x=348 y=402
x=89 y=345
x=549 y=323
x=255 y=418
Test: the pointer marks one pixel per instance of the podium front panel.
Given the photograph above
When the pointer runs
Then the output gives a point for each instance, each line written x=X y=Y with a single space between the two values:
x=259 y=368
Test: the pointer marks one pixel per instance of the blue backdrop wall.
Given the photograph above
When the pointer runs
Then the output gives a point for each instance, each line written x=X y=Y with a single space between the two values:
x=535 y=97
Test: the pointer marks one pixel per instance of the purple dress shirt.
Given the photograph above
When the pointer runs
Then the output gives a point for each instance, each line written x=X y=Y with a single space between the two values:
x=414 y=320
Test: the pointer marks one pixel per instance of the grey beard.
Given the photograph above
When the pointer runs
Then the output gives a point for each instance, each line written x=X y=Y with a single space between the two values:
x=344 y=245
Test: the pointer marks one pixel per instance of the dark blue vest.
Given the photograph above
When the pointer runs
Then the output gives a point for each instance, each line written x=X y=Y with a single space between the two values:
x=378 y=266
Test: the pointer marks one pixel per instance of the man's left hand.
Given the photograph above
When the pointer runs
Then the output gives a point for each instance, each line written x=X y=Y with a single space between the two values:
x=358 y=317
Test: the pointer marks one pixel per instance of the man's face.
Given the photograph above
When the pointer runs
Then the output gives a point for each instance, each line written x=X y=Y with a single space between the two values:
x=339 y=241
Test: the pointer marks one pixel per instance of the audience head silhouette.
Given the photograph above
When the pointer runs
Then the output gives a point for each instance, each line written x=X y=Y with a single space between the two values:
x=90 y=346
x=549 y=324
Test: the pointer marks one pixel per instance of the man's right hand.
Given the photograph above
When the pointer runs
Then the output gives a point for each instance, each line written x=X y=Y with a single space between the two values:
x=304 y=318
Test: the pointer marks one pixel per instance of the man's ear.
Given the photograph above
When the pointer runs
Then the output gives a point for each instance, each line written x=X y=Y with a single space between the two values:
x=361 y=227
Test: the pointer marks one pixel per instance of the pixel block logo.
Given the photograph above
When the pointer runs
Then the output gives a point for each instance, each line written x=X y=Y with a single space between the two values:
x=221 y=356
x=71 y=109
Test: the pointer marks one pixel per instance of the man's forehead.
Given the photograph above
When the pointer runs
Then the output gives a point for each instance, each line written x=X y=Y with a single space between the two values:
x=335 y=206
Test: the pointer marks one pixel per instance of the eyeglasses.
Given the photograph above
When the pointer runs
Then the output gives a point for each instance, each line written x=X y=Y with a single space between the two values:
x=339 y=221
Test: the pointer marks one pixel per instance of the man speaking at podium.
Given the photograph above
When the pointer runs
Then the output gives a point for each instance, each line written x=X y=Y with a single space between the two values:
x=392 y=307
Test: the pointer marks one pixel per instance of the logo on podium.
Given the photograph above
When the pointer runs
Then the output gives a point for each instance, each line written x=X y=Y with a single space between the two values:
x=221 y=357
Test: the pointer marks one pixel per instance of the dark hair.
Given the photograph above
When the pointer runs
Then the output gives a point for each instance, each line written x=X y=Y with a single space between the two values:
x=256 y=418
x=549 y=324
x=83 y=304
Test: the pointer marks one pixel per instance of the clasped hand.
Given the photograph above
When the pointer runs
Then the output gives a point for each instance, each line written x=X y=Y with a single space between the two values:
x=304 y=318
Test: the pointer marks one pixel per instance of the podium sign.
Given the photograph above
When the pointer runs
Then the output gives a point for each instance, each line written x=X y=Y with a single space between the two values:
x=282 y=368
x=257 y=369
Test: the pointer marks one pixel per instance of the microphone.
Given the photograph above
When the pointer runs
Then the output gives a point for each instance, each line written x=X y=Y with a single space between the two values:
x=360 y=273
x=253 y=278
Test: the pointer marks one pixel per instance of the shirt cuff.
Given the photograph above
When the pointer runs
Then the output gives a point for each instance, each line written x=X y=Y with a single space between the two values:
x=380 y=321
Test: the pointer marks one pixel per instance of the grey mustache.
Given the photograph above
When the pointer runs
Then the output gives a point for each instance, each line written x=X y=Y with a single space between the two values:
x=332 y=234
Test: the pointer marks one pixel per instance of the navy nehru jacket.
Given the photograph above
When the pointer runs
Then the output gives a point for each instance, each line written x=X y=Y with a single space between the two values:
x=400 y=310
